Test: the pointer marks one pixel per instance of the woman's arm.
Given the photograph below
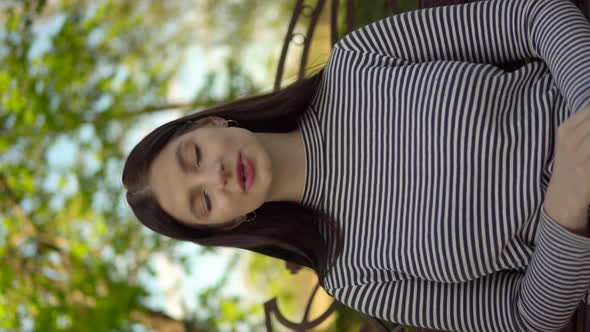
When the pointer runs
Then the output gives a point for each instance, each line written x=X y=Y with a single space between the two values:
x=542 y=299
x=568 y=194
x=494 y=32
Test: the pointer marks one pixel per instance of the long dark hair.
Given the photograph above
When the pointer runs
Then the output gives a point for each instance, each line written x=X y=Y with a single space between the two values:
x=283 y=230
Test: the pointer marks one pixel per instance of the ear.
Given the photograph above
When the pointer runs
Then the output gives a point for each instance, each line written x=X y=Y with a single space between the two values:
x=211 y=121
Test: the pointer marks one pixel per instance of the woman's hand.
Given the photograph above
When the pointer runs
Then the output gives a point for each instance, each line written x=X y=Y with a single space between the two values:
x=568 y=194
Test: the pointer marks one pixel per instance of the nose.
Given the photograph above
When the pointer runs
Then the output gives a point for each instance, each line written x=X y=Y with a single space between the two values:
x=216 y=175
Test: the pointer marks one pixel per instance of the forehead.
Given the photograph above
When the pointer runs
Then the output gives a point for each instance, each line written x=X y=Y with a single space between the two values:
x=165 y=160
x=166 y=180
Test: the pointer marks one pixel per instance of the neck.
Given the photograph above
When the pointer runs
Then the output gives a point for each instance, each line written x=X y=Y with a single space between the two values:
x=287 y=153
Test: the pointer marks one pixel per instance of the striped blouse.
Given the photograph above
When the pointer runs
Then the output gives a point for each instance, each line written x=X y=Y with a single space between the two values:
x=434 y=161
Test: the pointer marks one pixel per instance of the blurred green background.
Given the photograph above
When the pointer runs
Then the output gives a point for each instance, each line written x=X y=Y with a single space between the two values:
x=81 y=81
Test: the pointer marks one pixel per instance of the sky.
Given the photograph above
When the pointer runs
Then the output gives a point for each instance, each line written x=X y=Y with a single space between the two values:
x=172 y=283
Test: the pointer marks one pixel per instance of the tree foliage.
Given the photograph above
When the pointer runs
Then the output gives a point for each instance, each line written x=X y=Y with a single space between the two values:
x=76 y=76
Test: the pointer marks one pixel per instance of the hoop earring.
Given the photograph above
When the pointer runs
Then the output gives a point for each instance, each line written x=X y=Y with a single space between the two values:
x=230 y=122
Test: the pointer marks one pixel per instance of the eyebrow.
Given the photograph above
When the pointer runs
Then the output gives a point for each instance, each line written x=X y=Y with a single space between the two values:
x=193 y=193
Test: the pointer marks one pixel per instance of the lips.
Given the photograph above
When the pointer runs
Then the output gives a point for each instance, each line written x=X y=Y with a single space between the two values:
x=249 y=173
x=239 y=171
x=244 y=172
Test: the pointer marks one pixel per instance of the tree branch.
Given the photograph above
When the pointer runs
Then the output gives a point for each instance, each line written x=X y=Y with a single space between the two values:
x=101 y=119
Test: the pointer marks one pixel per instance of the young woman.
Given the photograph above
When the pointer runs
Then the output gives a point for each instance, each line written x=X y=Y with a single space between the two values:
x=423 y=182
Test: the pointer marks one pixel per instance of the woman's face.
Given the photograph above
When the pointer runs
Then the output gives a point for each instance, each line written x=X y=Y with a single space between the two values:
x=195 y=178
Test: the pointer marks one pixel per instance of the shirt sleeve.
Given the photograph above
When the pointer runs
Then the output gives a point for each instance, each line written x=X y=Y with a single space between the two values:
x=492 y=32
x=543 y=298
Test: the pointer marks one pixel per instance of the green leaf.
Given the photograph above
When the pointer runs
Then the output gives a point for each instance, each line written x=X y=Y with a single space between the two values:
x=28 y=183
x=4 y=80
x=4 y=144
x=29 y=116
x=230 y=311
x=13 y=21
x=14 y=102
x=79 y=250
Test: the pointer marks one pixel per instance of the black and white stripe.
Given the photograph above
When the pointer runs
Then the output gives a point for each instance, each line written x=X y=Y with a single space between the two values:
x=434 y=162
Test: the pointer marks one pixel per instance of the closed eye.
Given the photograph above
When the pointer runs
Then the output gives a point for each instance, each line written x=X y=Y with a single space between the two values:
x=207 y=202
x=197 y=155
x=205 y=196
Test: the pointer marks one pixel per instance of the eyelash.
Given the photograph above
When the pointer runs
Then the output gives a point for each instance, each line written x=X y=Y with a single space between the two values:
x=198 y=159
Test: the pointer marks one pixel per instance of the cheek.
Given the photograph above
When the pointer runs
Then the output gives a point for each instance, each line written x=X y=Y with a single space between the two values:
x=228 y=206
x=242 y=136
